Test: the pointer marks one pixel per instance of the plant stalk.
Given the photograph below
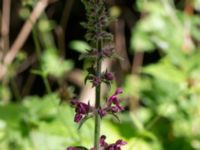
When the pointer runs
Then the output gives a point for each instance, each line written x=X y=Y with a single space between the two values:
x=47 y=85
x=36 y=42
x=97 y=101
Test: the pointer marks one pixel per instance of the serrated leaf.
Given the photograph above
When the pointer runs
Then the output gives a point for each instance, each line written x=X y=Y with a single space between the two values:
x=54 y=65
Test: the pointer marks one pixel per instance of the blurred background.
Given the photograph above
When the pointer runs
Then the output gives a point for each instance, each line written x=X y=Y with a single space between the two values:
x=40 y=72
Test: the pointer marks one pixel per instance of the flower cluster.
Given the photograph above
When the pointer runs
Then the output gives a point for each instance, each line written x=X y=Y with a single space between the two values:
x=112 y=104
x=106 y=52
x=104 y=145
x=81 y=109
x=114 y=146
x=105 y=77
x=97 y=19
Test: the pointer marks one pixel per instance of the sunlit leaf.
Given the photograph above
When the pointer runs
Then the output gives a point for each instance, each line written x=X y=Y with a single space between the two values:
x=79 y=46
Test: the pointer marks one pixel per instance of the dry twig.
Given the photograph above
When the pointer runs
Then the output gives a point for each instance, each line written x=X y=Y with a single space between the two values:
x=23 y=35
x=5 y=27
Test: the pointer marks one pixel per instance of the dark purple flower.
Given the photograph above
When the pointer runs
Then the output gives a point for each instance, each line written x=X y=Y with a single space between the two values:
x=118 y=91
x=102 y=141
x=114 y=96
x=112 y=105
x=114 y=100
x=95 y=81
x=107 y=52
x=114 y=109
x=108 y=76
x=102 y=112
x=78 y=117
x=114 y=146
x=81 y=110
x=110 y=147
x=120 y=143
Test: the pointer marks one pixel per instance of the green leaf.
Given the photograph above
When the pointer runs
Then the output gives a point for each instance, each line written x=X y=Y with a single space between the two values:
x=38 y=72
x=165 y=70
x=52 y=64
x=24 y=13
x=197 y=5
x=12 y=114
x=150 y=6
x=140 y=41
x=44 y=108
x=45 y=25
x=138 y=143
x=79 y=46
x=131 y=89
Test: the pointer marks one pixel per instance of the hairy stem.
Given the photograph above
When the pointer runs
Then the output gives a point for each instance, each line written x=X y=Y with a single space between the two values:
x=97 y=102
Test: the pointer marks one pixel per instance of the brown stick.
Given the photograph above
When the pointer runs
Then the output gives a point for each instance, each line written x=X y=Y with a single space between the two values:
x=60 y=40
x=137 y=62
x=76 y=77
x=5 y=26
x=120 y=44
x=61 y=29
x=189 y=7
x=25 y=31
x=23 y=35
x=65 y=15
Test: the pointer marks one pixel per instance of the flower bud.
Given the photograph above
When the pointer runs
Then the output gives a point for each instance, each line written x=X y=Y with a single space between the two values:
x=118 y=91
x=109 y=76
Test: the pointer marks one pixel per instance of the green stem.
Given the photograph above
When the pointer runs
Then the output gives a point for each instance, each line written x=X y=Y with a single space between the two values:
x=15 y=90
x=36 y=42
x=38 y=52
x=47 y=85
x=97 y=102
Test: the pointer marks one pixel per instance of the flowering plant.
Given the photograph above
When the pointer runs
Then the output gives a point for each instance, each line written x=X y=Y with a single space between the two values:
x=100 y=41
